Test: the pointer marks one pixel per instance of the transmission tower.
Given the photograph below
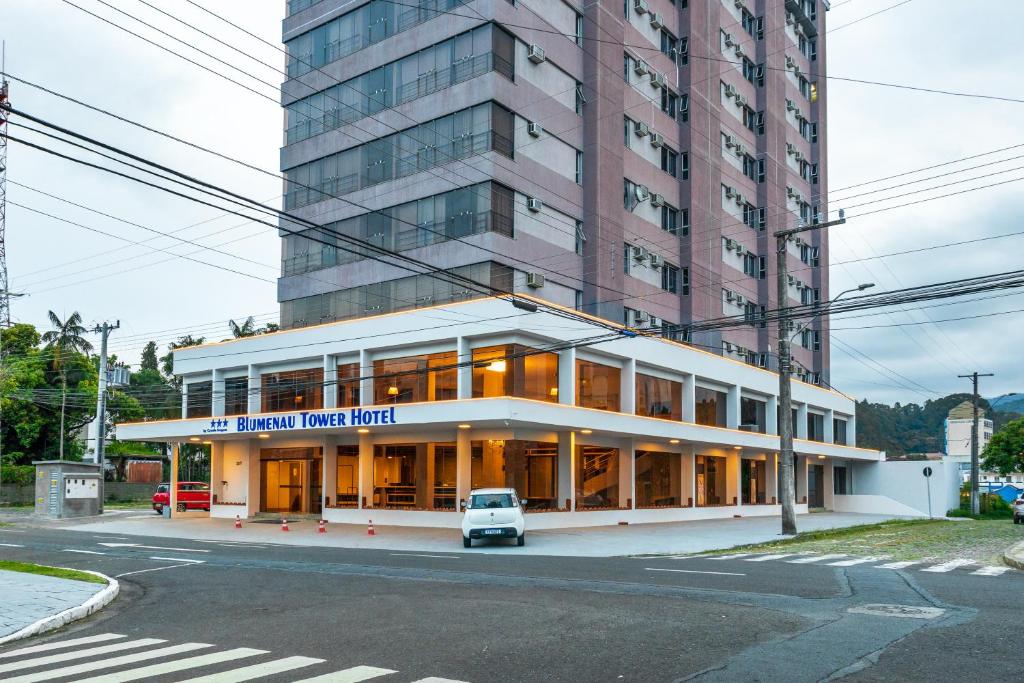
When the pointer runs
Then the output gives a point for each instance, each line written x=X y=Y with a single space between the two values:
x=5 y=300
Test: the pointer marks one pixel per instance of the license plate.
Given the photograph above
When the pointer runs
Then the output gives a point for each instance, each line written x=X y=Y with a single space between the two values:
x=492 y=532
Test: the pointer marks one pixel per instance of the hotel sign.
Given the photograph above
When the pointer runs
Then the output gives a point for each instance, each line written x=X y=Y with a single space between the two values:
x=329 y=419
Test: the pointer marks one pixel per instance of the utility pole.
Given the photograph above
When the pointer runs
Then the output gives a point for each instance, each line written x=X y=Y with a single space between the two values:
x=101 y=396
x=786 y=470
x=975 y=500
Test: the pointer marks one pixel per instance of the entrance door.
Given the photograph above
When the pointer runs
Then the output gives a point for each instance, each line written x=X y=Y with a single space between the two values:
x=282 y=485
x=816 y=486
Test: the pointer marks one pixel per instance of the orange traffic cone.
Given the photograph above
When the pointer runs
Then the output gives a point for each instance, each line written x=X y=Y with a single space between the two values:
x=322 y=529
x=284 y=525
x=238 y=522
x=369 y=529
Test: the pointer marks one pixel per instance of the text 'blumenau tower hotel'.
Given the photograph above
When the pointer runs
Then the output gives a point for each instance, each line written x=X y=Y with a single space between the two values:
x=628 y=158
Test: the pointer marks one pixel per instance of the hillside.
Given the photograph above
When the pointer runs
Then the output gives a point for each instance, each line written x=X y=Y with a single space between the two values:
x=1008 y=403
x=913 y=428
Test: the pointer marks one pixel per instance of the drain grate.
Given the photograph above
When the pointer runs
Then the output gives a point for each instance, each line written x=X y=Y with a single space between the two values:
x=905 y=611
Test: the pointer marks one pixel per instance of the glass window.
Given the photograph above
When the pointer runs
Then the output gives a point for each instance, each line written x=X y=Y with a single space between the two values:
x=395 y=476
x=492 y=500
x=815 y=427
x=839 y=431
x=414 y=379
x=294 y=390
x=347 y=488
x=710 y=480
x=515 y=370
x=348 y=385
x=444 y=475
x=597 y=386
x=597 y=477
x=710 y=408
x=658 y=479
x=752 y=412
x=236 y=396
x=753 y=481
x=530 y=467
x=199 y=399
x=656 y=397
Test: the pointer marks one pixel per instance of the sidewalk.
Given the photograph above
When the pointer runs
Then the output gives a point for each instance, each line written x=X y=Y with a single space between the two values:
x=1015 y=556
x=32 y=603
x=668 y=538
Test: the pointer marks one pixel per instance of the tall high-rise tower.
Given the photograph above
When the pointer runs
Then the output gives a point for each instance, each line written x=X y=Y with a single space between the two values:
x=627 y=158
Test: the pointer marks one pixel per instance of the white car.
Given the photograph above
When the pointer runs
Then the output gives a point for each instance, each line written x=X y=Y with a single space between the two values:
x=1018 y=511
x=493 y=513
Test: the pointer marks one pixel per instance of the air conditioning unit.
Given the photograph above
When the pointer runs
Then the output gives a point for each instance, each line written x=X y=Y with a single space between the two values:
x=729 y=41
x=535 y=53
x=657 y=21
x=790 y=192
x=535 y=280
x=740 y=300
x=657 y=139
x=740 y=149
x=739 y=51
x=641 y=316
x=790 y=279
x=654 y=322
x=642 y=193
x=640 y=67
x=639 y=253
x=790 y=148
x=741 y=100
x=798 y=155
x=657 y=199
x=790 y=19
x=657 y=79
x=730 y=191
x=640 y=6
x=657 y=261
x=534 y=204
x=790 y=62
x=534 y=129
x=729 y=140
x=790 y=105
x=727 y=346
x=730 y=90
x=641 y=129
x=738 y=4
x=740 y=199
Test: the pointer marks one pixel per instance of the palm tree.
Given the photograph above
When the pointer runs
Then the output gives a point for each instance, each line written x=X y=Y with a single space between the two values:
x=247 y=329
x=65 y=339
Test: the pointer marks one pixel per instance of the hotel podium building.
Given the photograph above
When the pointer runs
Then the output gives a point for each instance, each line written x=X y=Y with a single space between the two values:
x=396 y=417
x=625 y=158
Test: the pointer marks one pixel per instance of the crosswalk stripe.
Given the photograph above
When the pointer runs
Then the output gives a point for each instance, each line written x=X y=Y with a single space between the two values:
x=60 y=645
x=990 y=571
x=247 y=673
x=75 y=669
x=734 y=556
x=903 y=564
x=857 y=560
x=177 y=665
x=817 y=558
x=948 y=566
x=435 y=679
x=765 y=558
x=78 y=654
x=353 y=675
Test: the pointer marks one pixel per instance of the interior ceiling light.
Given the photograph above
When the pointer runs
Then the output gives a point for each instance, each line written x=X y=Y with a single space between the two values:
x=392 y=391
x=498 y=366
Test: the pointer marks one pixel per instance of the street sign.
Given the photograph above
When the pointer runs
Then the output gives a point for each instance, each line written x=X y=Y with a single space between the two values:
x=927 y=471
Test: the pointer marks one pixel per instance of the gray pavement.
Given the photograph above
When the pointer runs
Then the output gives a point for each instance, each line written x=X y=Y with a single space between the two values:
x=640 y=539
x=27 y=598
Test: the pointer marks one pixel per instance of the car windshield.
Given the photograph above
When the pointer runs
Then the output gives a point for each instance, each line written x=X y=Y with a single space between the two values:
x=491 y=500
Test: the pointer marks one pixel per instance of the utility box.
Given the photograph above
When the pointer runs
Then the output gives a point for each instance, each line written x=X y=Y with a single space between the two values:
x=68 y=489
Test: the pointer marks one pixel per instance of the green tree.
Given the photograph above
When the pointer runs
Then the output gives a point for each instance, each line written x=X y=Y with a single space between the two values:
x=64 y=341
x=1005 y=452
x=149 y=359
x=246 y=329
x=182 y=342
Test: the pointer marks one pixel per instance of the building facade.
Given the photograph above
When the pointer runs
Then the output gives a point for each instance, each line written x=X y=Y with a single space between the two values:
x=629 y=159
x=396 y=417
x=958 y=439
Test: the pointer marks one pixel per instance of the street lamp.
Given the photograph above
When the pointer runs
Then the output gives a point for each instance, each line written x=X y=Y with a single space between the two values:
x=858 y=288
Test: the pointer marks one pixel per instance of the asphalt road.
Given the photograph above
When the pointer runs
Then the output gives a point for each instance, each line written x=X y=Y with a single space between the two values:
x=476 y=618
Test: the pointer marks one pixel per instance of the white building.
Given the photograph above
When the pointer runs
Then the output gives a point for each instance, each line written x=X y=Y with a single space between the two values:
x=958 y=437
x=396 y=417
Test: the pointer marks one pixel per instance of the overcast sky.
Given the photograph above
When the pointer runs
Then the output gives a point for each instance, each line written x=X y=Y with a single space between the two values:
x=873 y=132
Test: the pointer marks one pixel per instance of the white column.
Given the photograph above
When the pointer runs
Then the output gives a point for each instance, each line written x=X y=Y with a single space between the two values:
x=851 y=431
x=567 y=377
x=329 y=486
x=771 y=472
x=801 y=478
x=771 y=415
x=365 y=471
x=463 y=465
x=218 y=393
x=627 y=389
x=566 y=469
x=827 y=427
x=366 y=372
x=687 y=475
x=252 y=499
x=217 y=471
x=184 y=400
x=627 y=478
x=732 y=479
x=800 y=430
x=829 y=497
x=465 y=372
x=254 y=389
x=689 y=398
x=732 y=407
x=173 y=496
x=330 y=387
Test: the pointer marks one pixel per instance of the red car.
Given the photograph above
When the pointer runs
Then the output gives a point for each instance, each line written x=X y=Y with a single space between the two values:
x=192 y=495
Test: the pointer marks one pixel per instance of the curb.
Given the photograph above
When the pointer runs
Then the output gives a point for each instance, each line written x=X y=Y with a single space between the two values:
x=1014 y=556
x=97 y=602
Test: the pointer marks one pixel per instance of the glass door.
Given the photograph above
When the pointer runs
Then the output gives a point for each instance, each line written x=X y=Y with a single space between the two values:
x=282 y=485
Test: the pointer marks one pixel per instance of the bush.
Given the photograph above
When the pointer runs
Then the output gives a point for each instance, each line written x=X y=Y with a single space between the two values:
x=990 y=506
x=19 y=475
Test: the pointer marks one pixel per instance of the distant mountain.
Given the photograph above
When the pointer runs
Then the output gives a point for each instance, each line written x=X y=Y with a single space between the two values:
x=912 y=428
x=1010 y=403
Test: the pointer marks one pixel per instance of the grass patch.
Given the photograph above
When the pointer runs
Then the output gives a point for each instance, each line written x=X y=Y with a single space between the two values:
x=981 y=540
x=129 y=505
x=57 y=572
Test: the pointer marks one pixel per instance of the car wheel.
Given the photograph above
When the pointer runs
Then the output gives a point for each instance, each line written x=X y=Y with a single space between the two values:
x=521 y=539
x=467 y=542
x=158 y=511
x=1016 y=519
x=181 y=507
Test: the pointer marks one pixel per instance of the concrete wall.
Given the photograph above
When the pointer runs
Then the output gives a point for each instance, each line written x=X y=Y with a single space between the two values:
x=892 y=486
x=112 y=490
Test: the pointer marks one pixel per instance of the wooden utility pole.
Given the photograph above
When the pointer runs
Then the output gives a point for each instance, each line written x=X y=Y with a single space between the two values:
x=975 y=500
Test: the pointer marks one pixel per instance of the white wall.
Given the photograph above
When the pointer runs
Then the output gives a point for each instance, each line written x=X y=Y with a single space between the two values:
x=545 y=149
x=904 y=484
x=546 y=76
